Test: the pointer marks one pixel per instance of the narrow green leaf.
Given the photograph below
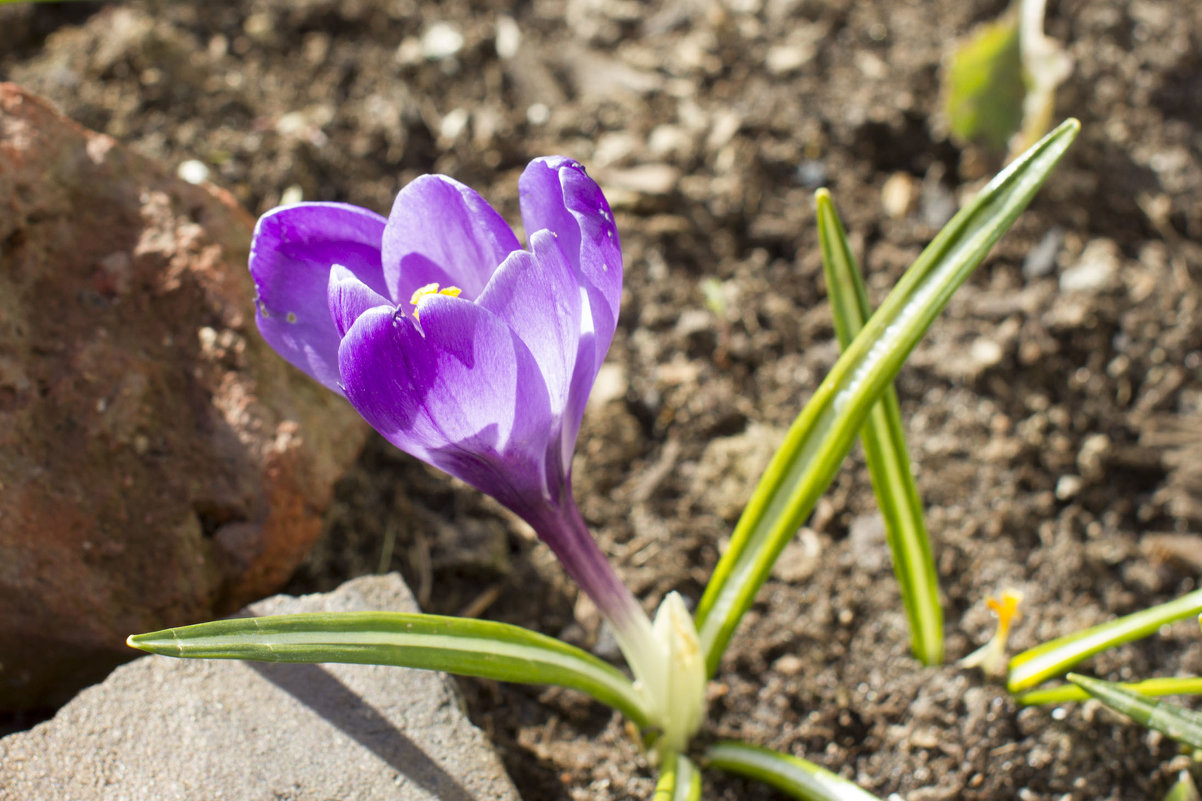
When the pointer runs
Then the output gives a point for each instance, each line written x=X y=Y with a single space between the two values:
x=1181 y=724
x=679 y=780
x=822 y=435
x=789 y=774
x=1065 y=693
x=467 y=647
x=1183 y=789
x=1055 y=657
x=885 y=449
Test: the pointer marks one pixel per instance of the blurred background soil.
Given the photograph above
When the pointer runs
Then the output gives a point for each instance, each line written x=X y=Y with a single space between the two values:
x=1054 y=411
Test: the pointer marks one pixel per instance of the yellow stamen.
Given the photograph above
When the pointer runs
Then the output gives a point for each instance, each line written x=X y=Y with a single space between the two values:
x=991 y=657
x=428 y=289
x=1006 y=609
x=432 y=289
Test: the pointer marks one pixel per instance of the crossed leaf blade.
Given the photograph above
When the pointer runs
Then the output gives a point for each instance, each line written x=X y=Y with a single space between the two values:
x=884 y=443
x=823 y=433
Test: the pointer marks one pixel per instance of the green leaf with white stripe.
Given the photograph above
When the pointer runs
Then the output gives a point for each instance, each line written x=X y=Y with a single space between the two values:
x=825 y=430
x=1055 y=657
x=463 y=646
x=1177 y=722
x=885 y=450
x=679 y=780
x=1064 y=693
x=789 y=774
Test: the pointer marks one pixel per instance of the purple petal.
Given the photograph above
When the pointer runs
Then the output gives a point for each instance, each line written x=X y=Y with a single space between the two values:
x=462 y=393
x=557 y=195
x=349 y=298
x=537 y=295
x=290 y=259
x=440 y=231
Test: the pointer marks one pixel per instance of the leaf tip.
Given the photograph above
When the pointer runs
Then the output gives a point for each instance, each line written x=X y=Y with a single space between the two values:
x=151 y=643
x=1069 y=129
x=823 y=203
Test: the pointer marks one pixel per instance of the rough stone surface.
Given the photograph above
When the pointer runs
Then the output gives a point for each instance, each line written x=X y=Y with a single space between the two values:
x=176 y=730
x=158 y=464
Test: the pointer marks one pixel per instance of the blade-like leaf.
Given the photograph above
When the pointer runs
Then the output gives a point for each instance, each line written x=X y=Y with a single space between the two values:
x=1183 y=789
x=1064 y=693
x=822 y=435
x=789 y=774
x=1181 y=724
x=885 y=449
x=463 y=646
x=679 y=780
x=1055 y=657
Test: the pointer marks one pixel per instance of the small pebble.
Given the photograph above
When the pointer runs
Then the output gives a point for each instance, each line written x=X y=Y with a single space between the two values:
x=1041 y=259
x=811 y=174
x=508 y=37
x=441 y=41
x=453 y=123
x=193 y=171
x=897 y=195
x=1095 y=271
x=292 y=195
x=1067 y=487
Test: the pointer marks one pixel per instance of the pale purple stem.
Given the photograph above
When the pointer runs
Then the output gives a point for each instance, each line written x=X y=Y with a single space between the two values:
x=564 y=530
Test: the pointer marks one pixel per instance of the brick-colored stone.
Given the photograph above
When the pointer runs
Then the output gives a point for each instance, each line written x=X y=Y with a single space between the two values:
x=158 y=463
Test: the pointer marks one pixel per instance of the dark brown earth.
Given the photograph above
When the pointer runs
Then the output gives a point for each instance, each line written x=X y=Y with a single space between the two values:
x=1054 y=412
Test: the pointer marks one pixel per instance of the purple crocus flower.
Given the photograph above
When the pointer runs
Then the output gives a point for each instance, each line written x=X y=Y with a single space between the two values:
x=477 y=356
x=456 y=344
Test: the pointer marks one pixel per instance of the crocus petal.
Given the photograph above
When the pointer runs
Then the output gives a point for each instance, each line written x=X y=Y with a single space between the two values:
x=440 y=231
x=290 y=259
x=536 y=293
x=348 y=298
x=461 y=392
x=557 y=195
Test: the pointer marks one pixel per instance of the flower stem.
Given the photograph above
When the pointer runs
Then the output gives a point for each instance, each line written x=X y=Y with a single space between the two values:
x=564 y=530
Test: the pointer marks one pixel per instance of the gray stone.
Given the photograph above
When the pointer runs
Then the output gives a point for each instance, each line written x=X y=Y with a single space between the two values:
x=174 y=729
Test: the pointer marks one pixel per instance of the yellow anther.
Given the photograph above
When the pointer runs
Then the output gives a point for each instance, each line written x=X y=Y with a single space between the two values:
x=428 y=289
x=432 y=289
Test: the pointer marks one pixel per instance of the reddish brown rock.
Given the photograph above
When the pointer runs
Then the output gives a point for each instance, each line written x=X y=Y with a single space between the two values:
x=158 y=463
